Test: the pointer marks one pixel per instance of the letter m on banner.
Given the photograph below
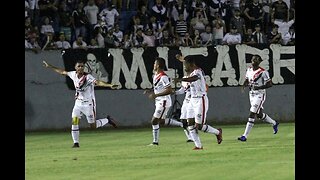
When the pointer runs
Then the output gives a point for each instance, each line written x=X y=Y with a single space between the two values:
x=119 y=63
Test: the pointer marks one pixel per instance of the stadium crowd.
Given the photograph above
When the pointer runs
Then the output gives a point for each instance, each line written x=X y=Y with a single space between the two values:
x=63 y=24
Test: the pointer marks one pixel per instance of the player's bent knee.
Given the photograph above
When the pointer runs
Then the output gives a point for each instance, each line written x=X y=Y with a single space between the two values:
x=75 y=121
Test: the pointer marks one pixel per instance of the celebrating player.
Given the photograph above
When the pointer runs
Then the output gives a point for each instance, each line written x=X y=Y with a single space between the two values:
x=258 y=81
x=161 y=94
x=199 y=103
x=85 y=102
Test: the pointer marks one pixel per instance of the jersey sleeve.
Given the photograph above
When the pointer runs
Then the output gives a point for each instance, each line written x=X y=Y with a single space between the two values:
x=265 y=76
x=71 y=74
x=91 y=79
x=165 y=80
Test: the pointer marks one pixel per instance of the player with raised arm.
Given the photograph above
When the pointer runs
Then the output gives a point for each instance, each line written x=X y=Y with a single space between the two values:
x=258 y=80
x=199 y=103
x=85 y=102
x=161 y=94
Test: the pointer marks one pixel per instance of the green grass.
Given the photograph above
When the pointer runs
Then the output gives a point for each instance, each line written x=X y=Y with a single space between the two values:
x=122 y=154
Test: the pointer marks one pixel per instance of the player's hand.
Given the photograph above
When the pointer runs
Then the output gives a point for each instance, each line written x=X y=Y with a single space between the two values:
x=114 y=86
x=147 y=91
x=45 y=64
x=179 y=57
x=152 y=96
x=176 y=80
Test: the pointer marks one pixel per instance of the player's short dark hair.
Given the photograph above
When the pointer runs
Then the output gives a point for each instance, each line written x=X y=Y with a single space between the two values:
x=161 y=62
x=258 y=57
x=189 y=60
x=80 y=61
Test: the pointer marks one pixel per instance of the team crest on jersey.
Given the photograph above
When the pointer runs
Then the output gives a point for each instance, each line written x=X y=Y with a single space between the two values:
x=199 y=115
x=159 y=112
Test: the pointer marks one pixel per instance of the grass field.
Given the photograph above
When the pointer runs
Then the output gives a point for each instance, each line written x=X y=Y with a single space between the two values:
x=122 y=154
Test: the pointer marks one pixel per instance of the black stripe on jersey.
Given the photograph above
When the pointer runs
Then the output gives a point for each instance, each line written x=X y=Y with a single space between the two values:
x=256 y=79
x=155 y=84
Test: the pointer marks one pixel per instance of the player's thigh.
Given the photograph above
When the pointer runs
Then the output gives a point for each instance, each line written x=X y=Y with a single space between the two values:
x=76 y=111
x=184 y=110
x=90 y=112
x=201 y=109
x=161 y=112
x=256 y=102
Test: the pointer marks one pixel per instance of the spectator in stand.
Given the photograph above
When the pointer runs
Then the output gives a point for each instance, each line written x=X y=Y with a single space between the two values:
x=65 y=20
x=289 y=38
x=280 y=11
x=219 y=20
x=127 y=40
x=79 y=21
x=148 y=38
x=98 y=36
x=79 y=43
x=119 y=34
x=110 y=15
x=91 y=11
x=32 y=43
x=181 y=27
x=34 y=12
x=45 y=31
x=48 y=8
x=218 y=6
x=283 y=26
x=187 y=41
x=207 y=37
x=159 y=11
x=254 y=13
x=166 y=40
x=239 y=22
x=62 y=43
x=111 y=40
x=196 y=39
x=258 y=35
x=179 y=8
x=200 y=21
x=49 y=44
x=93 y=44
x=248 y=37
x=136 y=25
x=138 y=39
x=266 y=4
x=233 y=37
x=274 y=37
x=143 y=15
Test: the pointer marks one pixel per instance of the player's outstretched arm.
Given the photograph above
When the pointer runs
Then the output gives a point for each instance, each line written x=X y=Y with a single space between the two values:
x=58 y=70
x=104 y=84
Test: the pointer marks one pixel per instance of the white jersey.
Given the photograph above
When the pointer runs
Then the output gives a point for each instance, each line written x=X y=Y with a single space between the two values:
x=160 y=83
x=198 y=87
x=84 y=86
x=257 y=77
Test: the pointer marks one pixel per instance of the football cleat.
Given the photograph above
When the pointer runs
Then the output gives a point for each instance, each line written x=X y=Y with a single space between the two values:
x=153 y=144
x=219 y=136
x=189 y=140
x=242 y=138
x=75 y=145
x=275 y=128
x=197 y=148
x=111 y=121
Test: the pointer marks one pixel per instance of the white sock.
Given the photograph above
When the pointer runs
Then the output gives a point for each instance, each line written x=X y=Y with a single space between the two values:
x=173 y=122
x=209 y=129
x=268 y=119
x=155 y=133
x=187 y=134
x=75 y=133
x=101 y=122
x=249 y=126
x=195 y=136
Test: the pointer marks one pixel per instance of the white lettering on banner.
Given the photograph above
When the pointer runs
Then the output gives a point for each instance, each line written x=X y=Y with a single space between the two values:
x=217 y=73
x=188 y=51
x=277 y=50
x=119 y=64
x=223 y=58
x=244 y=49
